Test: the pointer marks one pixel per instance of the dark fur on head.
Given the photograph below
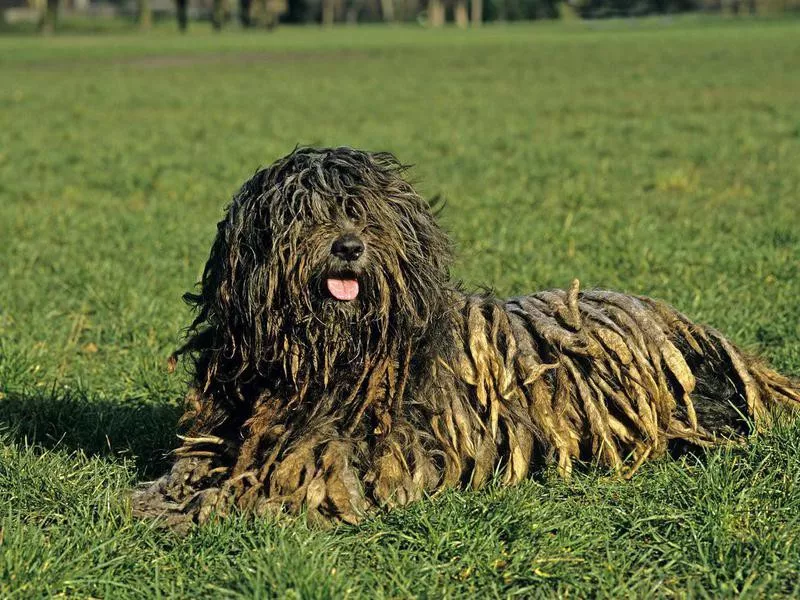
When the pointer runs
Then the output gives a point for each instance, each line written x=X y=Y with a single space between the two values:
x=337 y=367
x=263 y=310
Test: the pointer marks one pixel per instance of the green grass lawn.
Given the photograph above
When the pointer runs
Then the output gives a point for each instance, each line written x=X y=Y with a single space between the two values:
x=660 y=158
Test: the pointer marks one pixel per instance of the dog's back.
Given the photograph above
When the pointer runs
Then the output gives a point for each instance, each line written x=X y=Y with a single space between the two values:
x=604 y=376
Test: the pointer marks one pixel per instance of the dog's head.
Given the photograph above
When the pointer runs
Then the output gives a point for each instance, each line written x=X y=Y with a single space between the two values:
x=325 y=252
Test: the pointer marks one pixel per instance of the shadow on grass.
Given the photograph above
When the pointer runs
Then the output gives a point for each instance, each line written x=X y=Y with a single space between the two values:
x=141 y=431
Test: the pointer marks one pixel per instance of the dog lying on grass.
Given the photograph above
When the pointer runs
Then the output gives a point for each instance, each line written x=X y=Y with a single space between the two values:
x=338 y=368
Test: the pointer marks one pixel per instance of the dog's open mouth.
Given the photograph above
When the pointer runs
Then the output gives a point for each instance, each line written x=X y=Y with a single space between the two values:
x=344 y=289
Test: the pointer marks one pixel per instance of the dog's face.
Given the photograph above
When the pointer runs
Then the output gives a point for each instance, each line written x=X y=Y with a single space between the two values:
x=344 y=248
x=360 y=254
x=327 y=247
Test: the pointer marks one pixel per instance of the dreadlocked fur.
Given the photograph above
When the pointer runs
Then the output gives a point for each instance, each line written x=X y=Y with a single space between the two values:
x=303 y=400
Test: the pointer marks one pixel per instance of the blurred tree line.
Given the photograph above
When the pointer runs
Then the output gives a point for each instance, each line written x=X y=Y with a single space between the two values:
x=465 y=13
x=433 y=13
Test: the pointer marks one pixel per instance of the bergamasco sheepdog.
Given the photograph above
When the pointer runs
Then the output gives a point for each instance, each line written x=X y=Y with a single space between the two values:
x=336 y=367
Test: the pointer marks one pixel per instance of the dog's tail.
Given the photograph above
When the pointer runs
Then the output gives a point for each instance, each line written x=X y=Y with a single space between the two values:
x=755 y=394
x=729 y=386
x=773 y=397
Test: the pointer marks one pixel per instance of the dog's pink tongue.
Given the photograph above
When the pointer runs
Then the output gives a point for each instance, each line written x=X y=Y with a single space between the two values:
x=343 y=289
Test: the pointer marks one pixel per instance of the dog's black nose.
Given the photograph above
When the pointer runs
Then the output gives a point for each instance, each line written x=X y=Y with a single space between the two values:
x=348 y=247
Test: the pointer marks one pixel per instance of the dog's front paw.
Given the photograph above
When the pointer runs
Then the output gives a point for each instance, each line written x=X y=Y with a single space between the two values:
x=183 y=497
x=394 y=483
x=337 y=491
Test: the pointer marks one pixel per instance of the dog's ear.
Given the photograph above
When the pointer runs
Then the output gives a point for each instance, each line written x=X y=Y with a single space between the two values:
x=430 y=242
x=232 y=282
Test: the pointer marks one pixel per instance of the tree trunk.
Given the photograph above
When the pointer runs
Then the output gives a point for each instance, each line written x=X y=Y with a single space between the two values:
x=387 y=10
x=244 y=13
x=145 y=15
x=353 y=11
x=435 y=13
x=270 y=16
x=47 y=22
x=408 y=9
x=477 y=13
x=461 y=18
x=183 y=14
x=328 y=12
x=217 y=15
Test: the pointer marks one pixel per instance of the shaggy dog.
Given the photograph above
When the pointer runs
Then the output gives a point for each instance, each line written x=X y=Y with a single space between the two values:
x=336 y=367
